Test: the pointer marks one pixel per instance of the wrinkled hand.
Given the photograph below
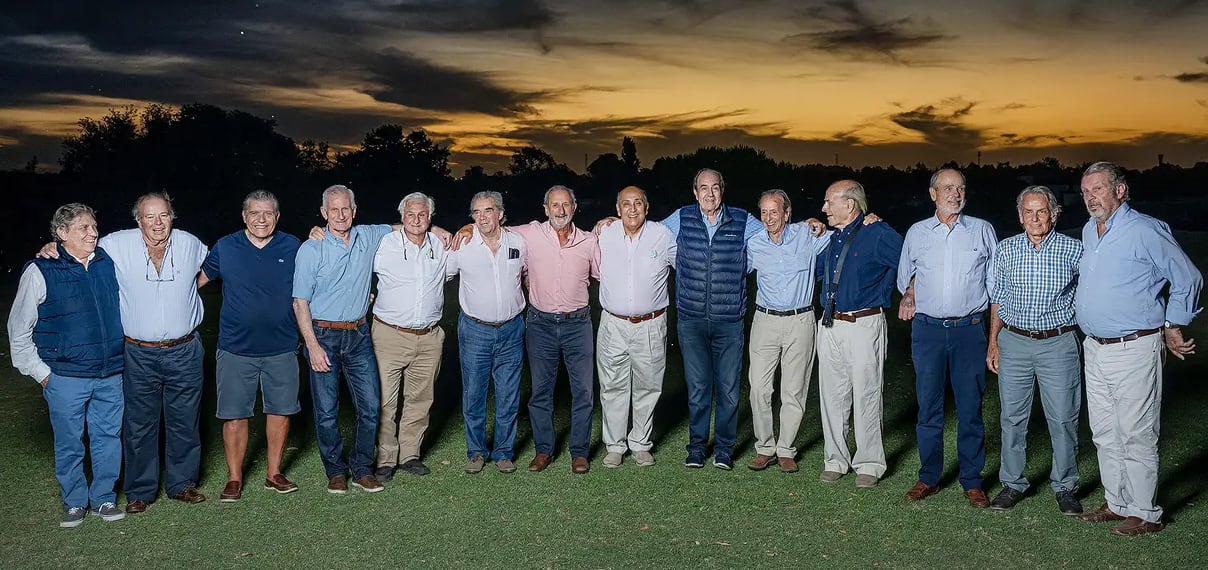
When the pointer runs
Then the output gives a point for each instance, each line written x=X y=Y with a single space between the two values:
x=318 y=358
x=992 y=357
x=462 y=237
x=441 y=234
x=45 y=381
x=600 y=225
x=317 y=233
x=871 y=218
x=906 y=307
x=49 y=251
x=817 y=228
x=1176 y=345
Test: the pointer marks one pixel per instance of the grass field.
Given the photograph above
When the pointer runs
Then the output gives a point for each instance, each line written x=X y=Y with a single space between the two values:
x=664 y=516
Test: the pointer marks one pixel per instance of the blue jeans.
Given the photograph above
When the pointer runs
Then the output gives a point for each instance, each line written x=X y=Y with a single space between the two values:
x=939 y=353
x=712 y=352
x=95 y=404
x=1056 y=365
x=349 y=351
x=490 y=354
x=162 y=382
x=568 y=336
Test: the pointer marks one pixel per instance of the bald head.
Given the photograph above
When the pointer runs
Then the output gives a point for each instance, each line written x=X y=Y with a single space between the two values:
x=844 y=200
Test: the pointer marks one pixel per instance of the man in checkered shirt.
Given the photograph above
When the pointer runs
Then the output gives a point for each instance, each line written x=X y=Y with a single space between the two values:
x=1033 y=299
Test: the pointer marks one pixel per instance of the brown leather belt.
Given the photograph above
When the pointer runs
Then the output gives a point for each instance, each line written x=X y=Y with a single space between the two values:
x=488 y=323
x=1125 y=338
x=161 y=343
x=339 y=325
x=419 y=332
x=788 y=313
x=852 y=316
x=640 y=318
x=1041 y=335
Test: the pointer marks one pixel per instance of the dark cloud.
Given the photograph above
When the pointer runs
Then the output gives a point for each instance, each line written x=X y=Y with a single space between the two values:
x=942 y=125
x=408 y=80
x=453 y=16
x=853 y=32
x=1080 y=16
x=1199 y=77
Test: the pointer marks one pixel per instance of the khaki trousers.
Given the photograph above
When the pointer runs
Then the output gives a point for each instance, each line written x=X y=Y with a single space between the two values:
x=789 y=342
x=851 y=366
x=407 y=366
x=631 y=359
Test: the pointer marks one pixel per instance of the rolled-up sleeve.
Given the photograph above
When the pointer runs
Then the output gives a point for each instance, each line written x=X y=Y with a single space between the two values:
x=305 y=265
x=31 y=292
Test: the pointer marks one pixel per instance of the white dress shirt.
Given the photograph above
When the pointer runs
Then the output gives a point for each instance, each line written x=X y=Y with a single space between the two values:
x=633 y=271
x=155 y=305
x=411 y=279
x=490 y=284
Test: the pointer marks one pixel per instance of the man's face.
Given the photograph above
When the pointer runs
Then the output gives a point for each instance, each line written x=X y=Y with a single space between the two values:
x=260 y=217
x=708 y=192
x=486 y=215
x=949 y=193
x=559 y=208
x=632 y=208
x=839 y=209
x=416 y=219
x=79 y=238
x=155 y=219
x=773 y=213
x=1102 y=200
x=1036 y=217
x=339 y=212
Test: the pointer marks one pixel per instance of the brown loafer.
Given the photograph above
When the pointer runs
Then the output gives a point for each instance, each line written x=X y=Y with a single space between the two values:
x=337 y=485
x=368 y=483
x=921 y=491
x=1134 y=526
x=1102 y=514
x=232 y=492
x=189 y=495
x=579 y=466
x=280 y=484
x=977 y=498
x=136 y=506
x=761 y=462
x=540 y=462
x=787 y=465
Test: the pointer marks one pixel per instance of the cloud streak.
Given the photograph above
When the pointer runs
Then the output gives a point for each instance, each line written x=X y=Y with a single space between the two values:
x=852 y=32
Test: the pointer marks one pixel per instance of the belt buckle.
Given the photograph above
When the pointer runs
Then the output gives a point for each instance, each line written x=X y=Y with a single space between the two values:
x=949 y=323
x=1036 y=335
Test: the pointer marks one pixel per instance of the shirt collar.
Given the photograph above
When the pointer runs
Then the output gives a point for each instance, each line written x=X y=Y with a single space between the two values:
x=849 y=228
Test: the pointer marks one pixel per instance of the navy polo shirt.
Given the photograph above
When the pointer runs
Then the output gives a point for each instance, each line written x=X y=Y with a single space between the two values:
x=257 y=316
x=870 y=269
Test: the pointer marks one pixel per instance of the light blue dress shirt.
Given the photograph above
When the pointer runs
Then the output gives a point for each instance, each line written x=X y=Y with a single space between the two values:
x=785 y=270
x=949 y=266
x=155 y=305
x=334 y=277
x=1123 y=274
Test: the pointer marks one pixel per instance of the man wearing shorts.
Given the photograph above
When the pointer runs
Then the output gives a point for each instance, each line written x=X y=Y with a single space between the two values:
x=257 y=338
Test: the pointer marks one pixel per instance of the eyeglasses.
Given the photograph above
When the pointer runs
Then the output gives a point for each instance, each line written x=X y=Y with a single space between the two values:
x=167 y=270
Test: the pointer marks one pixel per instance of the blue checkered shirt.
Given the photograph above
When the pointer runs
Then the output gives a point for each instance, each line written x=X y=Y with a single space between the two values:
x=1034 y=288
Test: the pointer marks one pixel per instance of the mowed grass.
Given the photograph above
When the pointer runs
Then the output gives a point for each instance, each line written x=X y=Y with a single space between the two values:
x=664 y=516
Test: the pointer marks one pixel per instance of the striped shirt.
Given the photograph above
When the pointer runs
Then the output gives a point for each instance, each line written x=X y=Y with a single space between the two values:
x=1034 y=288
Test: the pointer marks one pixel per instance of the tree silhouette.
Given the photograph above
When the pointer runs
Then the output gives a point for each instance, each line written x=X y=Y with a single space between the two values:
x=629 y=155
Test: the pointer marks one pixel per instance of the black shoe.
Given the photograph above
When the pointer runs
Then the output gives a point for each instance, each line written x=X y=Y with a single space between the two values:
x=1068 y=503
x=384 y=474
x=414 y=467
x=1006 y=499
x=695 y=460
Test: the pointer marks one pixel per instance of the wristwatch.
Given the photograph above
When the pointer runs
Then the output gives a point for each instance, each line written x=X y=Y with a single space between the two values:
x=1171 y=325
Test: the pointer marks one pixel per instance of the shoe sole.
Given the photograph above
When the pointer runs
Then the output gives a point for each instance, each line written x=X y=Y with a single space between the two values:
x=337 y=491
x=110 y=518
x=368 y=489
x=512 y=470
x=281 y=491
x=70 y=524
x=691 y=465
x=644 y=463
x=723 y=466
x=760 y=467
x=473 y=470
x=229 y=499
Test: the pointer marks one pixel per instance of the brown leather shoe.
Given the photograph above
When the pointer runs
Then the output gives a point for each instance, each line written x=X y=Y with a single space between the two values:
x=540 y=462
x=232 y=492
x=1102 y=514
x=1134 y=526
x=136 y=506
x=787 y=465
x=579 y=466
x=280 y=484
x=921 y=491
x=189 y=495
x=337 y=485
x=977 y=498
x=761 y=462
x=368 y=483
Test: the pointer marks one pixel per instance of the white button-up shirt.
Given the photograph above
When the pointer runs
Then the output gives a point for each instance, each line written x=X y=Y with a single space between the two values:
x=490 y=284
x=411 y=279
x=633 y=271
x=159 y=305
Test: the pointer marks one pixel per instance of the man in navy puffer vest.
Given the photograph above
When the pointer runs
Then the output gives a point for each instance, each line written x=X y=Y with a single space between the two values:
x=65 y=331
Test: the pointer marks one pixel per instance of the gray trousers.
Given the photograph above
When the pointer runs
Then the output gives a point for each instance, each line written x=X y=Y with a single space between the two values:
x=1054 y=364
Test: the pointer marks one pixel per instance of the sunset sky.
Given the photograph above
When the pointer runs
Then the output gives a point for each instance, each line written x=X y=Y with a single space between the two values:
x=874 y=82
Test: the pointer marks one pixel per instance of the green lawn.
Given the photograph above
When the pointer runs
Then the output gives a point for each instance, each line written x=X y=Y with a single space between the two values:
x=663 y=516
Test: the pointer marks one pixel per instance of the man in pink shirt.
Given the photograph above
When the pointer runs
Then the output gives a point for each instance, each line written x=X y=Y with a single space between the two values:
x=559 y=324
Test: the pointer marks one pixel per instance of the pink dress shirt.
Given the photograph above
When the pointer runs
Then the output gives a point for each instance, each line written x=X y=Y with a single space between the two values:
x=558 y=274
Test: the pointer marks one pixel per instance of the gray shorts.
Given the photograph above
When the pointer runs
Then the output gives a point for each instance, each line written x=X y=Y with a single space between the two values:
x=240 y=376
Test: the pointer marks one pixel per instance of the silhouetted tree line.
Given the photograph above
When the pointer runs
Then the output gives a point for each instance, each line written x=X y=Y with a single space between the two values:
x=209 y=158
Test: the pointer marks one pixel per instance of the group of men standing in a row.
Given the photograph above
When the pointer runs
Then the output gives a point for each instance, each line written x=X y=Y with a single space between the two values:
x=950 y=269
